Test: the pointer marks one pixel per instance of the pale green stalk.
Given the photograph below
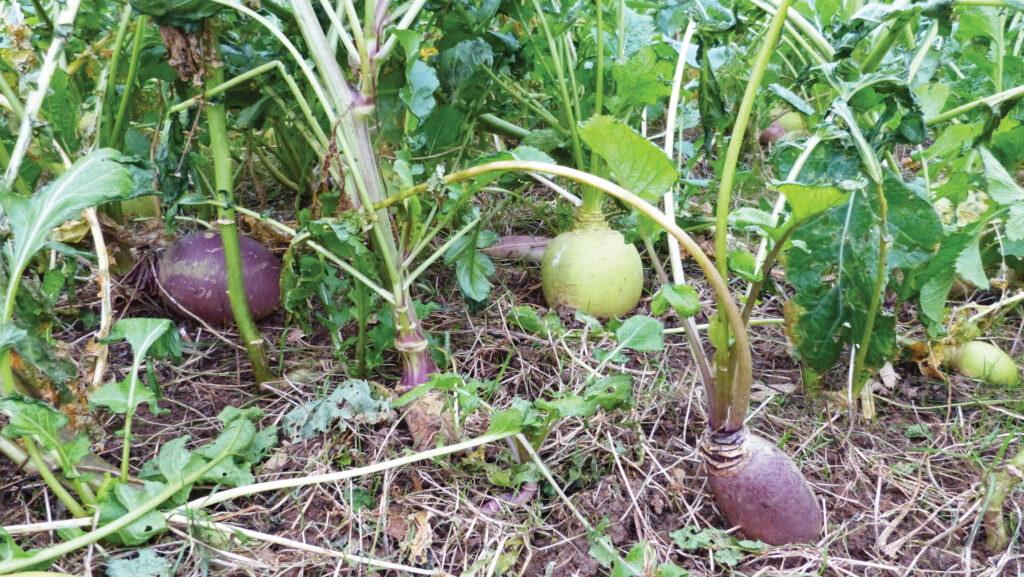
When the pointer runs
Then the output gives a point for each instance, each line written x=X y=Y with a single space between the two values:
x=65 y=21
x=729 y=407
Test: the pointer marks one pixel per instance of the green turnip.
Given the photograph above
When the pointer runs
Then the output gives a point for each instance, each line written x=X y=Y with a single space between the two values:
x=593 y=269
x=981 y=360
x=193 y=279
x=760 y=489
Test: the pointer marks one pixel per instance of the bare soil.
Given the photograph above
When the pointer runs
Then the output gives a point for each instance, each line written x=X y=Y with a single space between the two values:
x=901 y=493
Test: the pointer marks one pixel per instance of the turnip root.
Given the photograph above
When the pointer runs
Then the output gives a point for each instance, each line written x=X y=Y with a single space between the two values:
x=981 y=360
x=193 y=277
x=518 y=247
x=591 y=268
x=760 y=489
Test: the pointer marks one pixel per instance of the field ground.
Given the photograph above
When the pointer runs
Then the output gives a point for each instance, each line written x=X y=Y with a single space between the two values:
x=901 y=493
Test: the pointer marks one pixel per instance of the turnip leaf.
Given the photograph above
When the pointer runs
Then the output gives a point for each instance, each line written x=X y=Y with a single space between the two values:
x=641 y=333
x=507 y=422
x=683 y=299
x=1015 y=223
x=351 y=402
x=637 y=165
x=1002 y=188
x=99 y=177
x=38 y=420
x=969 y=265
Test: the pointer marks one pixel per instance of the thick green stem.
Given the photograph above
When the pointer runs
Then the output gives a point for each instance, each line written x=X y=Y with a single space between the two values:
x=502 y=126
x=728 y=407
x=991 y=100
x=121 y=124
x=876 y=296
x=563 y=87
x=216 y=116
x=115 y=66
x=51 y=480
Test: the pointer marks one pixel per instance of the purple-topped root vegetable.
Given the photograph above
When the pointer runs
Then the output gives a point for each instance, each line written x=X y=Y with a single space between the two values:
x=193 y=277
x=759 y=488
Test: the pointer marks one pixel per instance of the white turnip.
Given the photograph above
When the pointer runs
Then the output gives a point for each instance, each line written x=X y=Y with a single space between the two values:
x=593 y=269
x=981 y=360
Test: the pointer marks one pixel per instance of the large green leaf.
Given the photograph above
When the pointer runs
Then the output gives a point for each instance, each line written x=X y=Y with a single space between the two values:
x=636 y=164
x=94 y=179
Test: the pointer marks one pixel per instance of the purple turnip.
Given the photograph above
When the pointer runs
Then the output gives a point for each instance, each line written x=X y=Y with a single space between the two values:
x=518 y=247
x=193 y=277
x=760 y=489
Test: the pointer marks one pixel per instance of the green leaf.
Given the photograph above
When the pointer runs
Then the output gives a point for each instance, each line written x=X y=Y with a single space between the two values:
x=146 y=564
x=633 y=564
x=969 y=265
x=418 y=95
x=1001 y=186
x=9 y=550
x=683 y=299
x=472 y=268
x=601 y=547
x=351 y=402
x=637 y=165
x=124 y=498
x=526 y=318
x=743 y=264
x=121 y=398
x=640 y=81
x=506 y=422
x=1015 y=223
x=142 y=334
x=38 y=420
x=671 y=570
x=691 y=538
x=641 y=333
x=94 y=179
x=529 y=153
x=729 y=557
x=807 y=200
x=611 y=393
x=11 y=335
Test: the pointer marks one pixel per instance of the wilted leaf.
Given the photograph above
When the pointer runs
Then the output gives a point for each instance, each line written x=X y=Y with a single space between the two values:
x=146 y=564
x=351 y=402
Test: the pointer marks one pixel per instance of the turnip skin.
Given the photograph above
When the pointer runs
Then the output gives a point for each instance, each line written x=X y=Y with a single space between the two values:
x=193 y=276
x=519 y=247
x=760 y=489
x=593 y=269
x=981 y=360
